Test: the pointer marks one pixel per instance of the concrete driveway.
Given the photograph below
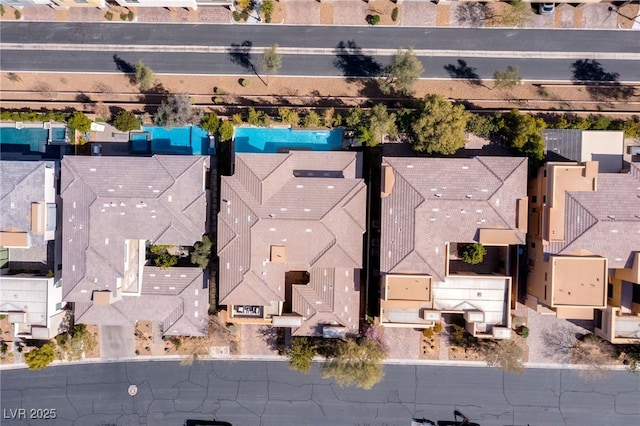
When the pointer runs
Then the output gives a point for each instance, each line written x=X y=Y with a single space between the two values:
x=117 y=342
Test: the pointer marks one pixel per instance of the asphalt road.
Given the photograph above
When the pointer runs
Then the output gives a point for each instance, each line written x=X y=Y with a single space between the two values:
x=297 y=65
x=322 y=36
x=268 y=393
x=508 y=47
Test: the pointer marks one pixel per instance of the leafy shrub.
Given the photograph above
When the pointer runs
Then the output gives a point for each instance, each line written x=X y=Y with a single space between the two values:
x=437 y=328
x=39 y=358
x=312 y=119
x=202 y=252
x=80 y=122
x=523 y=331
x=126 y=121
x=289 y=116
x=428 y=333
x=373 y=19
x=165 y=260
x=394 y=14
x=130 y=15
x=210 y=122
x=245 y=82
x=300 y=354
x=17 y=14
x=226 y=131
x=108 y=15
x=473 y=254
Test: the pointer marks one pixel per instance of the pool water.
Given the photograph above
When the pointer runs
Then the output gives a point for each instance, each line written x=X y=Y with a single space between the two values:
x=33 y=138
x=191 y=140
x=263 y=139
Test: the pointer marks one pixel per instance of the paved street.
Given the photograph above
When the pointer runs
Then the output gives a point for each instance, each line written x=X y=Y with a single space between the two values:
x=323 y=36
x=268 y=393
x=203 y=49
x=295 y=65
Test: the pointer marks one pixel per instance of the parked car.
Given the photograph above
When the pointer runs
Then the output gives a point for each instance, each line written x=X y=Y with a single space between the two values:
x=546 y=8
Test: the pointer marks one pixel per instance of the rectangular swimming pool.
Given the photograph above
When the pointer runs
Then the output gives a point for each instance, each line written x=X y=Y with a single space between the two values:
x=266 y=139
x=25 y=139
x=191 y=140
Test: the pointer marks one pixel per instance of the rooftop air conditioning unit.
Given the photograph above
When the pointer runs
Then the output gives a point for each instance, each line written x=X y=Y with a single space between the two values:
x=429 y=315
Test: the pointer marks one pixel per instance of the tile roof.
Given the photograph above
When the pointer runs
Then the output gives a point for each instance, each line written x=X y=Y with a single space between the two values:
x=313 y=204
x=440 y=200
x=606 y=221
x=108 y=200
x=22 y=183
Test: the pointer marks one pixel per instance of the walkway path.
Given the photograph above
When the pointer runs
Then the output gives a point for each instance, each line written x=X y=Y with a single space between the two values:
x=416 y=13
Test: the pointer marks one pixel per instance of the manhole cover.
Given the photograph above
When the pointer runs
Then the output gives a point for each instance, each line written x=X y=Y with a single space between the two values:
x=133 y=390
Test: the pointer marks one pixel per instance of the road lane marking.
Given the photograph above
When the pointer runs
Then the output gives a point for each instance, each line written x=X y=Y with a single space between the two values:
x=120 y=48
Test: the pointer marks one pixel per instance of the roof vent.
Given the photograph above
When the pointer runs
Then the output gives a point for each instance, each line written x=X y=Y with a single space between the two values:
x=468 y=196
x=465 y=167
x=612 y=217
x=409 y=166
x=438 y=195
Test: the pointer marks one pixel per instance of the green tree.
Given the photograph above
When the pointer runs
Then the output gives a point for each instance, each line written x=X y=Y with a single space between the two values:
x=438 y=126
x=226 y=131
x=328 y=117
x=271 y=61
x=267 y=9
x=356 y=363
x=165 y=260
x=210 y=122
x=79 y=122
x=126 y=121
x=312 y=119
x=402 y=73
x=39 y=358
x=289 y=116
x=382 y=123
x=355 y=117
x=145 y=76
x=507 y=79
x=523 y=133
x=202 y=252
x=473 y=254
x=254 y=117
x=364 y=136
x=176 y=111
x=505 y=355
x=300 y=354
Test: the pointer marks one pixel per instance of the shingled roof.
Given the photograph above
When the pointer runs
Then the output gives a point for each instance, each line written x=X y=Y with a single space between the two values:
x=606 y=221
x=438 y=200
x=313 y=205
x=109 y=201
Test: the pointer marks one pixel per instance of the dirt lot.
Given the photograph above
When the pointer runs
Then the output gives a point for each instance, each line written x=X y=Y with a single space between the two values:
x=56 y=91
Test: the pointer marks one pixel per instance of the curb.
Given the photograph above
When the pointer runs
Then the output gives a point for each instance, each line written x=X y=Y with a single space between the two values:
x=279 y=358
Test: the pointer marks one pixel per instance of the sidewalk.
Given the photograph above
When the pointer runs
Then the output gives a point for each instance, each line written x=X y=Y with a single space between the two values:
x=413 y=13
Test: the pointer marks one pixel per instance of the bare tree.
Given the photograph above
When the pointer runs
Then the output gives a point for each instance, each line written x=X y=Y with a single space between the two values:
x=271 y=61
x=507 y=79
x=505 y=355
x=595 y=355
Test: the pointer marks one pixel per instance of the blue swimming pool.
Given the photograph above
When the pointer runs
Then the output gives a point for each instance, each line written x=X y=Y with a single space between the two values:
x=27 y=139
x=263 y=139
x=191 y=140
